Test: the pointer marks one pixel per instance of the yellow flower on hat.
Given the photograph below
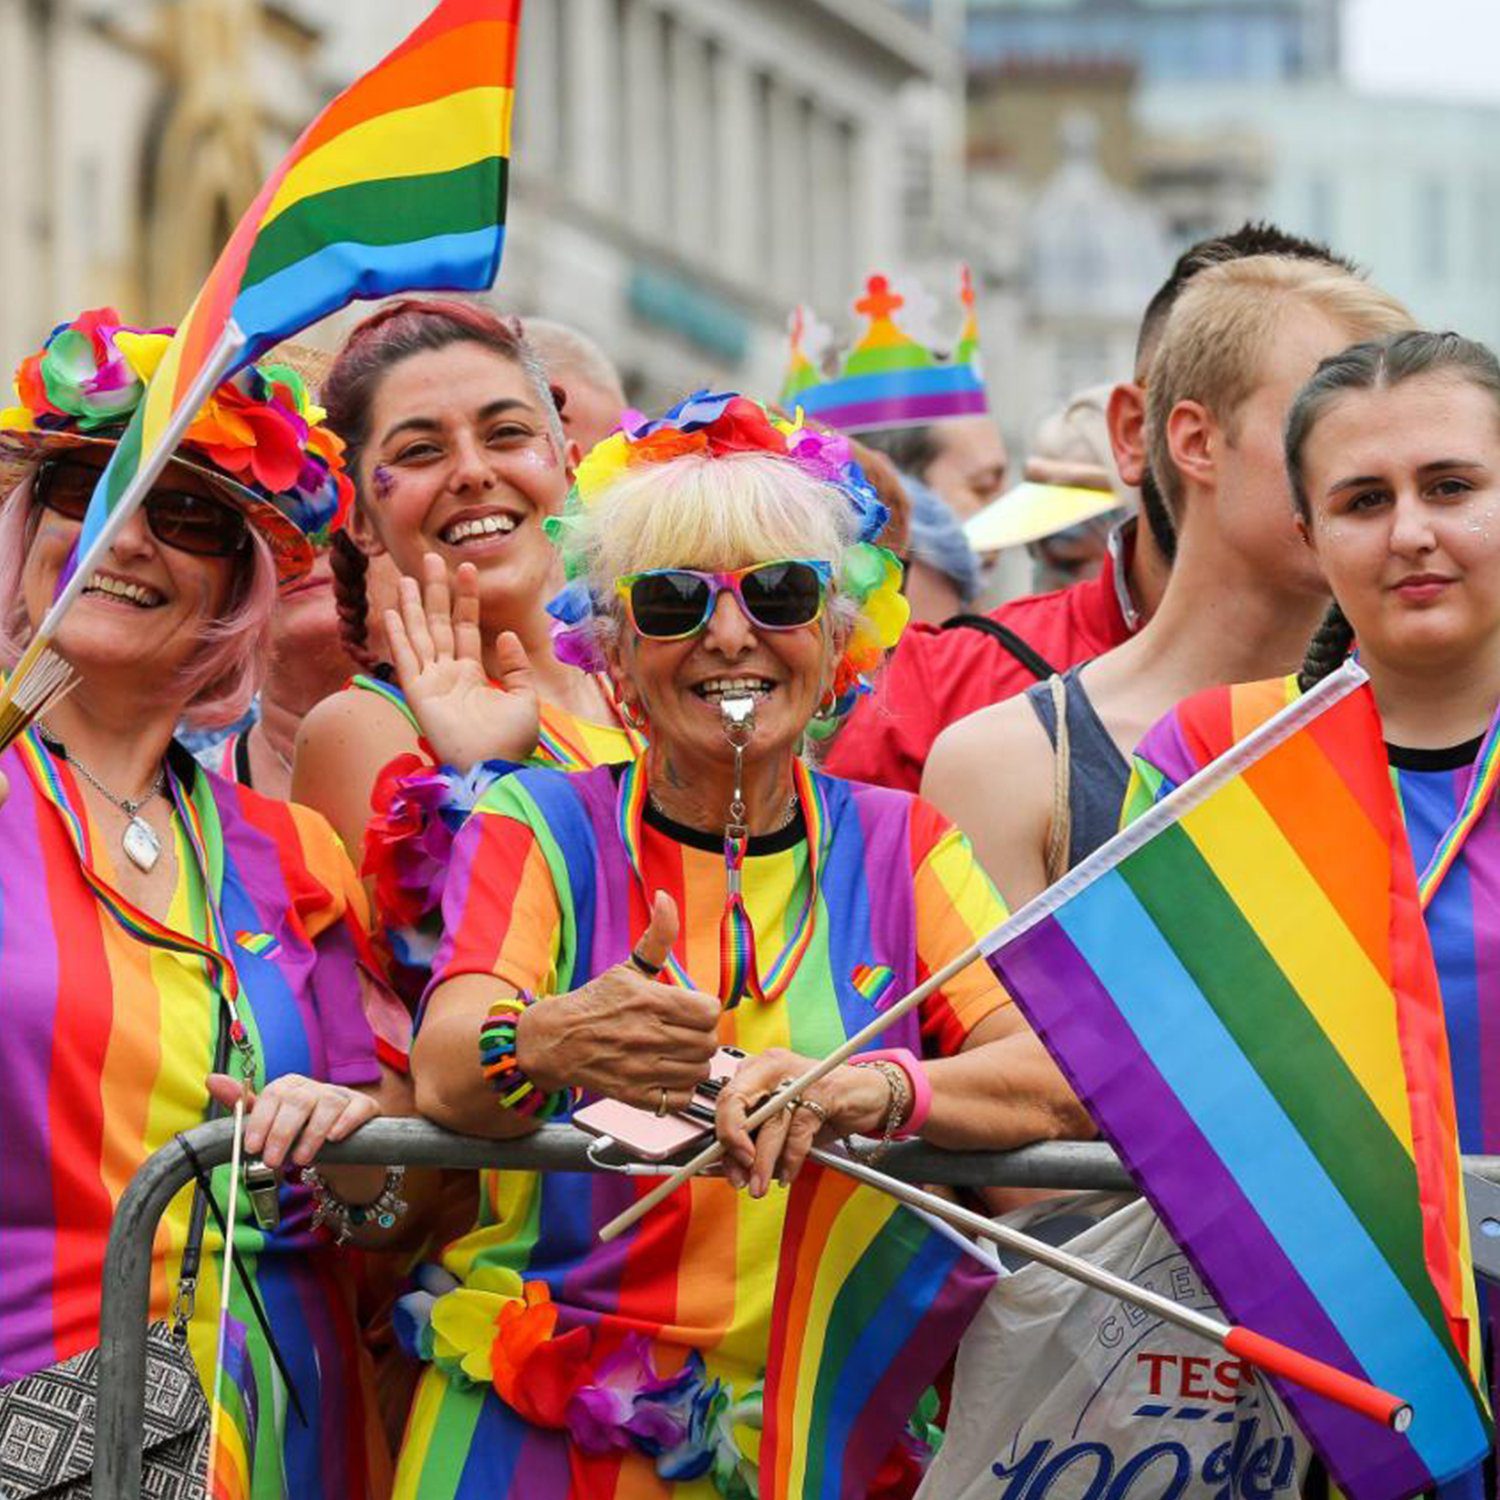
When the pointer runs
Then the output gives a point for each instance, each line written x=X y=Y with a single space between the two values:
x=143 y=351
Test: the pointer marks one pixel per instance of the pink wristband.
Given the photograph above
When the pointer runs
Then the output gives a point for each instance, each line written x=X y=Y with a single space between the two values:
x=916 y=1076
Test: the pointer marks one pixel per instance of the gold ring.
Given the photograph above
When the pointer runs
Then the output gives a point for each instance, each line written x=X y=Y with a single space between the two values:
x=661 y=1103
x=815 y=1107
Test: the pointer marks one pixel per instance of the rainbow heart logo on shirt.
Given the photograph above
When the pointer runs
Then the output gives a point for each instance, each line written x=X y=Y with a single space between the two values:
x=872 y=980
x=261 y=944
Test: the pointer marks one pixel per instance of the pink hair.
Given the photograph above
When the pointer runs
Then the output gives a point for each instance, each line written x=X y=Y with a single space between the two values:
x=217 y=685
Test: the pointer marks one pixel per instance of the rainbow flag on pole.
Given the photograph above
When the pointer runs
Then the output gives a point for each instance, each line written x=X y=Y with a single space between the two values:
x=236 y=1418
x=400 y=184
x=871 y=1300
x=1240 y=988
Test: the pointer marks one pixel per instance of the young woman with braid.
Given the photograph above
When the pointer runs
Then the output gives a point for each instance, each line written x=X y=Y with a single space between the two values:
x=458 y=456
x=1393 y=450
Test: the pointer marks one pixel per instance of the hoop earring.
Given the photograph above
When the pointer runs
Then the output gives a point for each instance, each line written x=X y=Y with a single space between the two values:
x=632 y=715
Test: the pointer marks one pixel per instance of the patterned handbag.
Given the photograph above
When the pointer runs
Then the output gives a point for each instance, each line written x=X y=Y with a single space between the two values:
x=47 y=1417
x=47 y=1426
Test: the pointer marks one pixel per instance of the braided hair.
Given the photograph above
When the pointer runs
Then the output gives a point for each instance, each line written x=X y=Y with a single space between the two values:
x=1377 y=364
x=349 y=566
x=395 y=332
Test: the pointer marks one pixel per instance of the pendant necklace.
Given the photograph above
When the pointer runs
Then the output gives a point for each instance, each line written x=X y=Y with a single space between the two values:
x=139 y=841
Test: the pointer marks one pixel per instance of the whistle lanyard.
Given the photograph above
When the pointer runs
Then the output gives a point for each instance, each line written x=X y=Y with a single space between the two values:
x=739 y=972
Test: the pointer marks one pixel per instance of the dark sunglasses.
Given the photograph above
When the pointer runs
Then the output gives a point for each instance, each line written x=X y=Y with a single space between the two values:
x=191 y=523
x=670 y=604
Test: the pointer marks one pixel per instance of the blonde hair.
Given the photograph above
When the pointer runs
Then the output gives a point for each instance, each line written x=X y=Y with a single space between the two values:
x=1214 y=346
x=720 y=512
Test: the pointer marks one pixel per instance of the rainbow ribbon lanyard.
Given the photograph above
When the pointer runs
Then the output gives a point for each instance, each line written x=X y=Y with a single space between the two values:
x=1481 y=789
x=207 y=850
x=738 y=975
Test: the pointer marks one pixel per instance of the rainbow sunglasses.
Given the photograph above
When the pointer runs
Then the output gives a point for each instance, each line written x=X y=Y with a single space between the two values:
x=670 y=604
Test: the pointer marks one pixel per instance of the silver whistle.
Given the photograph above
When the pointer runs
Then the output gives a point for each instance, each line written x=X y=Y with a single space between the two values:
x=261 y=1187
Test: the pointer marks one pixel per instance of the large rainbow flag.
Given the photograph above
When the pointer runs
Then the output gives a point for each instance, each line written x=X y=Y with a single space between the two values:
x=400 y=184
x=871 y=1300
x=1240 y=988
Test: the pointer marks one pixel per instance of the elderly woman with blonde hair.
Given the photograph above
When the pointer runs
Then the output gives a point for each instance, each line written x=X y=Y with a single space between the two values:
x=606 y=931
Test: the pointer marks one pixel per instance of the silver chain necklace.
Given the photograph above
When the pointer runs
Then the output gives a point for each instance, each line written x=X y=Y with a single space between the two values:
x=139 y=841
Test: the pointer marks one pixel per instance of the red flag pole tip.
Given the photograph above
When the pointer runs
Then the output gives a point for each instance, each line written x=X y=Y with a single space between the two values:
x=1322 y=1379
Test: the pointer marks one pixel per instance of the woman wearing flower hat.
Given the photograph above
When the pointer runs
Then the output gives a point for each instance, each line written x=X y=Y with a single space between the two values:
x=156 y=920
x=606 y=930
x=458 y=457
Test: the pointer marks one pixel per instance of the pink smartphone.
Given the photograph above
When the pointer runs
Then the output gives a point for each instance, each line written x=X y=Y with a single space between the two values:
x=655 y=1137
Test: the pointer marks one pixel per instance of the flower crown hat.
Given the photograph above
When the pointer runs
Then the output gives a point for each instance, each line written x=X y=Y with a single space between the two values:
x=888 y=378
x=260 y=441
x=717 y=426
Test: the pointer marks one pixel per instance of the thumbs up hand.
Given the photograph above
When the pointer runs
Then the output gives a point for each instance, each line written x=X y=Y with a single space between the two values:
x=625 y=1035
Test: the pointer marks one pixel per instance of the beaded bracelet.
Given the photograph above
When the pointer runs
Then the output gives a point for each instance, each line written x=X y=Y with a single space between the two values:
x=341 y=1218
x=497 y=1060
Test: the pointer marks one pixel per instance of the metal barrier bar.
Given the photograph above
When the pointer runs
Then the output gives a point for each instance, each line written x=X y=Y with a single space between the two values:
x=124 y=1307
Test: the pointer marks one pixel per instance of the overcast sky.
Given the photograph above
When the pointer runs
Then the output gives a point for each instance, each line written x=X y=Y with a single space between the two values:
x=1435 y=48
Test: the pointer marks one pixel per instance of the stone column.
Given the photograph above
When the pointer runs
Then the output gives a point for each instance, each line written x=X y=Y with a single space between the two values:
x=693 y=167
x=590 y=103
x=539 y=105
x=789 y=206
x=741 y=230
x=647 y=131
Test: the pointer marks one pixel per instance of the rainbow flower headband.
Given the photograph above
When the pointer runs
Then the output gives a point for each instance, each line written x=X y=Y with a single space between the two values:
x=717 y=425
x=261 y=428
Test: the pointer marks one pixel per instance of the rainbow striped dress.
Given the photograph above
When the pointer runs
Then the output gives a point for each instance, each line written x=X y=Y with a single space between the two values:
x=111 y=1022
x=548 y=889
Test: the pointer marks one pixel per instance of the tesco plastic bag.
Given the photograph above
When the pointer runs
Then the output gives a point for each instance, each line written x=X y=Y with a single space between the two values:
x=1064 y=1393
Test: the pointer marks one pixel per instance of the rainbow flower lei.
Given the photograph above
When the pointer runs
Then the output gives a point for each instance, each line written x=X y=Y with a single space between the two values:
x=718 y=425
x=261 y=427
x=500 y=1330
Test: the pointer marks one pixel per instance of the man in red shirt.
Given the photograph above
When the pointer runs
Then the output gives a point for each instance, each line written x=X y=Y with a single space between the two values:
x=940 y=674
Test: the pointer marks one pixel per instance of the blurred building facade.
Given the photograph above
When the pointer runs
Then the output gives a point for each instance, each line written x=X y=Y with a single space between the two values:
x=1407 y=188
x=1104 y=136
x=1242 y=41
x=135 y=134
x=684 y=171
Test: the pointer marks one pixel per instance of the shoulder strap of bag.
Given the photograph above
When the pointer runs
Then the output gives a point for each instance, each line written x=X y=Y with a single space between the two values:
x=192 y=1249
x=1031 y=659
x=1060 y=832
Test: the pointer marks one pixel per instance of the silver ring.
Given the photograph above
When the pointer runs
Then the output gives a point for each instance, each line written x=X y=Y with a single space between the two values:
x=661 y=1103
x=815 y=1107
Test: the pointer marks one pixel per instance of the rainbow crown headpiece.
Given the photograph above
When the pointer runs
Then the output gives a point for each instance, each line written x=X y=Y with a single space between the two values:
x=888 y=378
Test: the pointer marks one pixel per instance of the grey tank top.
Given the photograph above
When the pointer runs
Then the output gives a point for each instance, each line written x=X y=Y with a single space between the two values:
x=1098 y=774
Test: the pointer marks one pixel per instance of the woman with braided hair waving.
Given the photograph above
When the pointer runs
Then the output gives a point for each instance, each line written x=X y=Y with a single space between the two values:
x=458 y=456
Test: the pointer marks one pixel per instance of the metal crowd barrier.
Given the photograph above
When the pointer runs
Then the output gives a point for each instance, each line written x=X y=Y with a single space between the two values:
x=1072 y=1165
